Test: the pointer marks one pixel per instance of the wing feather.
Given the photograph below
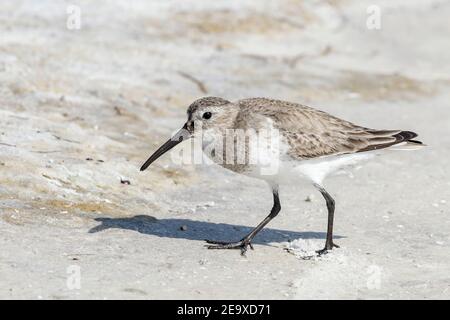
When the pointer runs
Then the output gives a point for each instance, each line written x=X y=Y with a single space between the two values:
x=313 y=133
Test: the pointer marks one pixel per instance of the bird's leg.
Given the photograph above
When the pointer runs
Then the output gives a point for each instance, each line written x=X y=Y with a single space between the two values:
x=246 y=241
x=329 y=245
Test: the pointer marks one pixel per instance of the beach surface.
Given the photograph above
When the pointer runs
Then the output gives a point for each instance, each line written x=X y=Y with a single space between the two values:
x=82 y=106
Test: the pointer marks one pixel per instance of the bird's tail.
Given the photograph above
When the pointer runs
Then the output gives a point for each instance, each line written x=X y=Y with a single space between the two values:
x=392 y=140
x=408 y=145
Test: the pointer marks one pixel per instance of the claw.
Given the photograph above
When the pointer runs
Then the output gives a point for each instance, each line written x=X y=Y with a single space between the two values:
x=242 y=245
x=322 y=252
x=328 y=247
x=217 y=242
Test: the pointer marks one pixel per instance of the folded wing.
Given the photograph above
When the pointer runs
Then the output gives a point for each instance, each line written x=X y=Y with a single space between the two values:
x=312 y=133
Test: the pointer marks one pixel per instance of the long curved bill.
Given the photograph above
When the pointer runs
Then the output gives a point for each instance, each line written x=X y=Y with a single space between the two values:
x=177 y=138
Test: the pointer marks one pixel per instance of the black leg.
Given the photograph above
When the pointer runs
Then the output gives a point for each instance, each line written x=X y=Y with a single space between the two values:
x=329 y=245
x=246 y=241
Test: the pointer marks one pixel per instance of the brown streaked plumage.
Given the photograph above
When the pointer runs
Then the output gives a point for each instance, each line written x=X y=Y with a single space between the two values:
x=313 y=144
x=313 y=133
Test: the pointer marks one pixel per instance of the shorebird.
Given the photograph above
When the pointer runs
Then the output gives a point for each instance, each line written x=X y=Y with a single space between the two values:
x=311 y=145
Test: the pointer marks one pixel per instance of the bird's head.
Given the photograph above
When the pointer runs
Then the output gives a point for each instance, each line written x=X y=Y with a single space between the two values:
x=205 y=113
x=210 y=112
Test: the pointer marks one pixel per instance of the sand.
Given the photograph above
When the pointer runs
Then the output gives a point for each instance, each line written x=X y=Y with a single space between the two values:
x=81 y=109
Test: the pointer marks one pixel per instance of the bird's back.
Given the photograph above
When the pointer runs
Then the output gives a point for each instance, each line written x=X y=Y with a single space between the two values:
x=312 y=133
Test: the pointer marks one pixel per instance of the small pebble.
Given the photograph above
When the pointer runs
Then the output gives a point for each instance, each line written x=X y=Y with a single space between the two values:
x=127 y=182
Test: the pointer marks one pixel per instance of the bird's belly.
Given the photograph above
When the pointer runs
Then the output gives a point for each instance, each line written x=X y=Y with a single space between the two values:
x=288 y=171
x=316 y=170
x=273 y=164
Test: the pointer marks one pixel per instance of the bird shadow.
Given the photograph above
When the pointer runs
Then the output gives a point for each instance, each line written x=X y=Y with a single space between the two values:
x=199 y=230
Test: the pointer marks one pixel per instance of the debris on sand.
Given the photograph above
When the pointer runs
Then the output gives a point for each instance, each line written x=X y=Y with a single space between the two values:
x=123 y=181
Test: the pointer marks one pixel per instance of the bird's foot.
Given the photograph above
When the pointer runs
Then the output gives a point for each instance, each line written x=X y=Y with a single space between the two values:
x=243 y=244
x=328 y=246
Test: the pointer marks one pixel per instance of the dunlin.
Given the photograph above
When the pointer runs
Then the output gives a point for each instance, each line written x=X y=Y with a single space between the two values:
x=310 y=145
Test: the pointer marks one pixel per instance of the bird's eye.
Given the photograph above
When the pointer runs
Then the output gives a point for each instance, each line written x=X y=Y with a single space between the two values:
x=207 y=115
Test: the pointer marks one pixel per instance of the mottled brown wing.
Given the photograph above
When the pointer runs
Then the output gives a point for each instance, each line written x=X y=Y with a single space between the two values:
x=312 y=133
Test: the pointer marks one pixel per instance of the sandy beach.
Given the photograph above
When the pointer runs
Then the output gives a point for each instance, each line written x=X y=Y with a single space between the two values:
x=83 y=106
